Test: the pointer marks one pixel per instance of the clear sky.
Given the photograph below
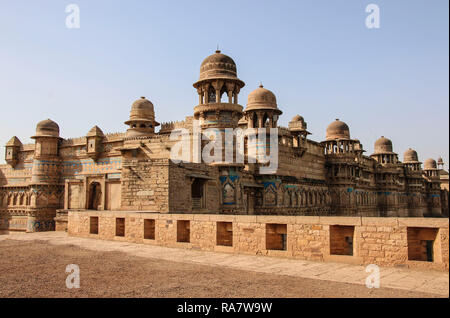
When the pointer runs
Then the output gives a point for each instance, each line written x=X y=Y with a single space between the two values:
x=317 y=56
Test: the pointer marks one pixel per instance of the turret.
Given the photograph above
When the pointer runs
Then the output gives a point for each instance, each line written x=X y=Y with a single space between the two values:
x=12 y=151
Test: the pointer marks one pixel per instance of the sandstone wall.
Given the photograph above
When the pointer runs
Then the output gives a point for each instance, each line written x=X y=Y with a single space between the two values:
x=381 y=241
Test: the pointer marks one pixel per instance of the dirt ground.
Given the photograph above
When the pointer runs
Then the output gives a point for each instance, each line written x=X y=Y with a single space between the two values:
x=38 y=269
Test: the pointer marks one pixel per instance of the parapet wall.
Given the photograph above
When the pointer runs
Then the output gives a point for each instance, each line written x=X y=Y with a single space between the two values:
x=411 y=242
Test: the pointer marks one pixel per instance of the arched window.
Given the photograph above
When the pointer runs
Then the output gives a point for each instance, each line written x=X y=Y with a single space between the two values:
x=211 y=95
x=95 y=195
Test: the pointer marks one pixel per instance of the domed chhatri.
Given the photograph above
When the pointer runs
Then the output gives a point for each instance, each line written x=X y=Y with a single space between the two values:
x=47 y=128
x=338 y=130
x=298 y=124
x=218 y=65
x=142 y=118
x=383 y=146
x=142 y=110
x=261 y=98
x=262 y=110
x=430 y=164
x=218 y=88
x=410 y=156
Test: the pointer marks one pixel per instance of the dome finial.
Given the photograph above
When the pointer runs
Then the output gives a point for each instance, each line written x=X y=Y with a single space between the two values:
x=218 y=50
x=261 y=84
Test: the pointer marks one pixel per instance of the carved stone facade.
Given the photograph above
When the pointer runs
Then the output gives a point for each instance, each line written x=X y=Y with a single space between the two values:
x=133 y=171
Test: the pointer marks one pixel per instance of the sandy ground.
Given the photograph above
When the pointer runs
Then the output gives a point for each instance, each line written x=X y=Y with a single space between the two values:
x=37 y=269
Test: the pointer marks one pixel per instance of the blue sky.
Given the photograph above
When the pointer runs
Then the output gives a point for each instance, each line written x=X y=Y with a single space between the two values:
x=318 y=57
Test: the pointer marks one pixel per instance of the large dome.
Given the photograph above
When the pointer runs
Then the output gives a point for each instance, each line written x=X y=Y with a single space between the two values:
x=47 y=128
x=142 y=110
x=338 y=130
x=430 y=164
x=261 y=98
x=218 y=65
x=383 y=146
x=410 y=156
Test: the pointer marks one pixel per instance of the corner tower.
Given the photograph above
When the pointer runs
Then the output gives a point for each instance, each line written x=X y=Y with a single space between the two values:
x=46 y=153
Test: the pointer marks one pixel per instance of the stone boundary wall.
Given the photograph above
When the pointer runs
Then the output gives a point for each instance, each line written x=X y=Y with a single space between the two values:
x=381 y=241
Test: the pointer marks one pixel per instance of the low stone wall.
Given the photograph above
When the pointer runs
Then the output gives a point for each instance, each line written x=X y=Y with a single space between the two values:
x=410 y=242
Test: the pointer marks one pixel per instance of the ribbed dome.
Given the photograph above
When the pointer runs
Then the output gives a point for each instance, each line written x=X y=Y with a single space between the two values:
x=47 y=128
x=410 y=155
x=218 y=65
x=142 y=110
x=338 y=130
x=430 y=164
x=383 y=145
x=261 y=98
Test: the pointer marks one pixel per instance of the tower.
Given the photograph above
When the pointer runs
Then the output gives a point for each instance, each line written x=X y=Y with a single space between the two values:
x=344 y=166
x=218 y=88
x=414 y=185
x=46 y=186
x=440 y=163
x=12 y=151
x=432 y=174
x=46 y=160
x=94 y=142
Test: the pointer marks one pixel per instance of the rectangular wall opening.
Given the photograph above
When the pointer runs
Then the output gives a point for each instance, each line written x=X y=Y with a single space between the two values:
x=183 y=231
x=93 y=225
x=198 y=194
x=341 y=239
x=120 y=226
x=421 y=243
x=225 y=233
x=276 y=237
x=149 y=229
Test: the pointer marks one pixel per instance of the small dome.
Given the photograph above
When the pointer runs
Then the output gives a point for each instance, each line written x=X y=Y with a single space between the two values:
x=218 y=65
x=261 y=98
x=430 y=164
x=383 y=145
x=338 y=130
x=410 y=155
x=142 y=110
x=297 y=118
x=440 y=161
x=47 y=128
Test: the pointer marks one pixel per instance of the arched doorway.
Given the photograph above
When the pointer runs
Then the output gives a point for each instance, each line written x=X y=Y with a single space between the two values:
x=95 y=195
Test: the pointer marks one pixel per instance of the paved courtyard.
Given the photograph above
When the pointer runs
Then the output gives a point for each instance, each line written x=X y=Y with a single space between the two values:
x=33 y=265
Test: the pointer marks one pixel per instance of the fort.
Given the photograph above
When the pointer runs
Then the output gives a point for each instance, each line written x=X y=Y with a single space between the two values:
x=326 y=200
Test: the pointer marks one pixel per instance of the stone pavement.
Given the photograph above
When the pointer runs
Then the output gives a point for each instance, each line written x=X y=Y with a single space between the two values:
x=398 y=278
